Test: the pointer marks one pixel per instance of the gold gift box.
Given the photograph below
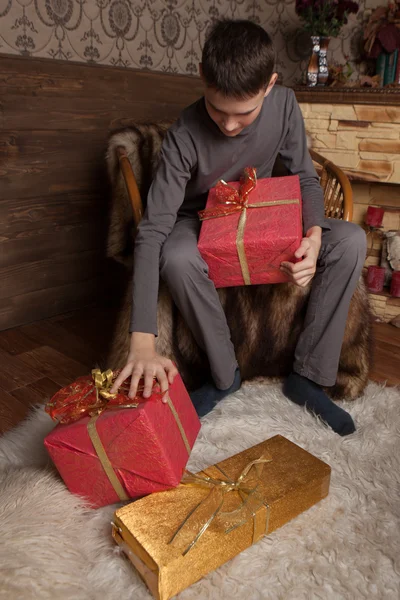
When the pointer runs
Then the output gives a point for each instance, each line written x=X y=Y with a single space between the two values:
x=288 y=481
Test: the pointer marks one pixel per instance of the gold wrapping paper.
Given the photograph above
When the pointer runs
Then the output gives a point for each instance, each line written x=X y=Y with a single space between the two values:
x=293 y=481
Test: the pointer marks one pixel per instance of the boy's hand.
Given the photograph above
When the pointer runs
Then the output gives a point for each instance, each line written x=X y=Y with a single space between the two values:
x=302 y=272
x=143 y=361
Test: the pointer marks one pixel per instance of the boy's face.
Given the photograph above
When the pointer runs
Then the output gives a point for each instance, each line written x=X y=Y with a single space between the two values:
x=232 y=115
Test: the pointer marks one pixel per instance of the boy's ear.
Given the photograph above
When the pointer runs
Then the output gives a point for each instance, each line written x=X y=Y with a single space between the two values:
x=271 y=84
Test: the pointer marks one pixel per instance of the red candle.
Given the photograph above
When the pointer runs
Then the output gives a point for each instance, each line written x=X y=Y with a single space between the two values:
x=375 y=278
x=395 y=285
x=374 y=216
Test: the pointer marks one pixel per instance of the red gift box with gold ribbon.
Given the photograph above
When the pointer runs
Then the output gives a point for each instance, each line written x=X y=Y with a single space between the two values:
x=249 y=228
x=109 y=448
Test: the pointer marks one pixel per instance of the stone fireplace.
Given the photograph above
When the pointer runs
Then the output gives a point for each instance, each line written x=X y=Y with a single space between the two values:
x=359 y=130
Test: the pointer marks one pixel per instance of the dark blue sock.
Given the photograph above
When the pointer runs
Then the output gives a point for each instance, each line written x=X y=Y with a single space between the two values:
x=305 y=392
x=208 y=395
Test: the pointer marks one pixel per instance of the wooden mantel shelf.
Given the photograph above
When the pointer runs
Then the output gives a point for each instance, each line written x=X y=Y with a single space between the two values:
x=356 y=95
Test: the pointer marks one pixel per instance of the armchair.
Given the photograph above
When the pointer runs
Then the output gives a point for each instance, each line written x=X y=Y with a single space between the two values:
x=265 y=321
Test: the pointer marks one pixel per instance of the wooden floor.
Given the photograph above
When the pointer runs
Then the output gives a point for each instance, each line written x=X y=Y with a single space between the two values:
x=38 y=359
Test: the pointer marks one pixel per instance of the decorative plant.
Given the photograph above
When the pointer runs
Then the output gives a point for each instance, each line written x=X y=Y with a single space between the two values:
x=339 y=74
x=325 y=17
x=382 y=31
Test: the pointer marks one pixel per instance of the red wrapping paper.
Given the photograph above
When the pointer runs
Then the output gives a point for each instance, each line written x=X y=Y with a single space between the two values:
x=271 y=235
x=143 y=444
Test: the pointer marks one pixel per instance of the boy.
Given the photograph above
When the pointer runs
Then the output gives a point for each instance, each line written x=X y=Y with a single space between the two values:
x=243 y=119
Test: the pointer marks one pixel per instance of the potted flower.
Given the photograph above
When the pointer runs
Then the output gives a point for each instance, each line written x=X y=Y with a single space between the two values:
x=323 y=19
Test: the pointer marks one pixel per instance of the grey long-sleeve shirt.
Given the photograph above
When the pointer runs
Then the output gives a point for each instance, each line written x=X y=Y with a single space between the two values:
x=194 y=156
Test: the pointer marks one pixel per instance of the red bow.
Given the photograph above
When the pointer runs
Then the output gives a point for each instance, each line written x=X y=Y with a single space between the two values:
x=88 y=396
x=231 y=200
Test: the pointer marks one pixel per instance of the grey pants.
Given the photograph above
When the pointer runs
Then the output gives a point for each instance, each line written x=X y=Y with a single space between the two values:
x=317 y=352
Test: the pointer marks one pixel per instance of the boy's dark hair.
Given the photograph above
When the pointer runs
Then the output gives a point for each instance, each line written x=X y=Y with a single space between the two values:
x=238 y=58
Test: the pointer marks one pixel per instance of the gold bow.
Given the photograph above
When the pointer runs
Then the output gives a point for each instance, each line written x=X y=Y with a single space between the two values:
x=248 y=487
x=103 y=381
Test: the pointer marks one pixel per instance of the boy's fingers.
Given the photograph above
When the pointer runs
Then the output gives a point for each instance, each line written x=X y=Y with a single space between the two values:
x=172 y=371
x=287 y=266
x=303 y=281
x=148 y=383
x=304 y=265
x=126 y=371
x=287 y=272
x=304 y=246
x=300 y=278
x=163 y=381
x=302 y=249
x=164 y=370
x=306 y=273
x=136 y=375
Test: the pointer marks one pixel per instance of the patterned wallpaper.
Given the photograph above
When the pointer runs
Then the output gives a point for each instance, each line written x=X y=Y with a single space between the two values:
x=159 y=35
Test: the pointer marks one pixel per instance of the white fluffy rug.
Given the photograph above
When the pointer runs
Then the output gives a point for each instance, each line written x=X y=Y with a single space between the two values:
x=346 y=547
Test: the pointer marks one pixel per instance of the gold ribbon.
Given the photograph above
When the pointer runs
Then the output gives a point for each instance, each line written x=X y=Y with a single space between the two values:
x=241 y=204
x=104 y=460
x=179 y=424
x=103 y=381
x=247 y=485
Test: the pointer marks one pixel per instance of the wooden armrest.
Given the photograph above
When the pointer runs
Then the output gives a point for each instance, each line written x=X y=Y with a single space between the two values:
x=131 y=185
x=343 y=180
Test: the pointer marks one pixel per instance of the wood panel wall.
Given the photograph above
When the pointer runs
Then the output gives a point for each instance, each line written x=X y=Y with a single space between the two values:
x=55 y=119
